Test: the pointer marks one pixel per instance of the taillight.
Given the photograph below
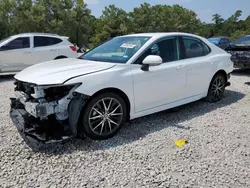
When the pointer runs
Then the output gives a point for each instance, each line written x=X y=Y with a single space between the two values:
x=73 y=48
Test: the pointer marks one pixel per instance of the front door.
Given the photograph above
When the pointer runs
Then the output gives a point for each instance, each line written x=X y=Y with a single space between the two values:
x=162 y=84
x=16 y=54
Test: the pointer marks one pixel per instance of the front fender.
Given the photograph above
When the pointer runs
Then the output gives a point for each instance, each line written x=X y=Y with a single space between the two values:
x=118 y=77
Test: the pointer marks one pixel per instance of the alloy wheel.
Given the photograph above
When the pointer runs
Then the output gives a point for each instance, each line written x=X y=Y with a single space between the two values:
x=218 y=88
x=105 y=116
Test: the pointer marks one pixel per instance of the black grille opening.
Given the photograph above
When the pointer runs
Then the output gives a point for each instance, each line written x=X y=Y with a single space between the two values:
x=25 y=87
x=57 y=93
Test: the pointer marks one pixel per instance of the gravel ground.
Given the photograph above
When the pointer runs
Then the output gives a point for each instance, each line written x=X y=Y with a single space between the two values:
x=143 y=154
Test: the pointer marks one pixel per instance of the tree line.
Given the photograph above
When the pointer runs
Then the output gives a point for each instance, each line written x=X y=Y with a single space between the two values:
x=73 y=18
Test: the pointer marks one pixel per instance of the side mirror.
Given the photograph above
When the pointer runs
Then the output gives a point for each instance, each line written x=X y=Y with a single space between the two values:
x=151 y=60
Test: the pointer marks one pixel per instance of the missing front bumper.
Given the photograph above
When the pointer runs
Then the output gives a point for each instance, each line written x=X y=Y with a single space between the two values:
x=49 y=130
x=46 y=131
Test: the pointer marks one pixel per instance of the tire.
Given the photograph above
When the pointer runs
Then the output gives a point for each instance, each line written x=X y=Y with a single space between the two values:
x=216 y=88
x=100 y=125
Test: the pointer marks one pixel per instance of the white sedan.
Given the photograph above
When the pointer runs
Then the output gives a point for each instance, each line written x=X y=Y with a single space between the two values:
x=124 y=78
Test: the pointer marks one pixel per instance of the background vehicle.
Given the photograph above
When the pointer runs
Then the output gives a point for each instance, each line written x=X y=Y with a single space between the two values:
x=124 y=78
x=240 y=50
x=222 y=42
x=20 y=51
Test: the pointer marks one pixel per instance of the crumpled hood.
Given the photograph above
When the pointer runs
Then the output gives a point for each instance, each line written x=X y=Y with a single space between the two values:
x=59 y=71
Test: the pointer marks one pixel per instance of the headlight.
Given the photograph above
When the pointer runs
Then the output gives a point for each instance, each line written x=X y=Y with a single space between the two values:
x=58 y=92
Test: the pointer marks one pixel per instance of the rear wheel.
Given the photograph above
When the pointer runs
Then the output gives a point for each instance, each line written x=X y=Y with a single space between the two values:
x=216 y=88
x=103 y=116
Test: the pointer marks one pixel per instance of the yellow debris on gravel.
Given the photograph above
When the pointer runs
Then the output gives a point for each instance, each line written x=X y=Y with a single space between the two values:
x=180 y=143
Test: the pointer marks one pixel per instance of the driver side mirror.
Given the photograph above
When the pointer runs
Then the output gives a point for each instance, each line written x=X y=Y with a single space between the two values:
x=151 y=60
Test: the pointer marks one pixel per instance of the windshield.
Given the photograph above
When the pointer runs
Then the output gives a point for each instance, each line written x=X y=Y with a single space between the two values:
x=242 y=41
x=116 y=50
x=4 y=40
x=214 y=40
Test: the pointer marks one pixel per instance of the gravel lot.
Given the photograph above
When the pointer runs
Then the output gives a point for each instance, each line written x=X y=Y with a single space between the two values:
x=143 y=154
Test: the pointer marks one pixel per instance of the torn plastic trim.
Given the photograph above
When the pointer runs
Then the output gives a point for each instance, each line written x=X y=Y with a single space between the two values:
x=74 y=109
x=41 y=108
x=49 y=130
x=40 y=93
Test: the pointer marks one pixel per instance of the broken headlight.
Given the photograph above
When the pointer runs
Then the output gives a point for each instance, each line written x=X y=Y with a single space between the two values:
x=58 y=92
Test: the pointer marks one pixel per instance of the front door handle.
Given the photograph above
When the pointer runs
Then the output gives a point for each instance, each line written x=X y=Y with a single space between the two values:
x=180 y=66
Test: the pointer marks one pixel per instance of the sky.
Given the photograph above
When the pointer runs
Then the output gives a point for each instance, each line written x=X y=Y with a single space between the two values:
x=203 y=8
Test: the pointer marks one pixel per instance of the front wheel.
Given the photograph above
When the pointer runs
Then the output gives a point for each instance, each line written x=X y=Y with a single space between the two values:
x=216 y=88
x=103 y=116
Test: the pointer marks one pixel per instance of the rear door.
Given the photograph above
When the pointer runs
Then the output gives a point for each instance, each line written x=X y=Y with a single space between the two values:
x=16 y=54
x=199 y=65
x=44 y=48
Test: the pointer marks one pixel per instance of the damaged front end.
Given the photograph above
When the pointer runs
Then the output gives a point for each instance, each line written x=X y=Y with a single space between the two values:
x=46 y=113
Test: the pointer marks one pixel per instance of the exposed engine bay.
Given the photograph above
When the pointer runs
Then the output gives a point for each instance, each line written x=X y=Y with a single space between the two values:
x=47 y=113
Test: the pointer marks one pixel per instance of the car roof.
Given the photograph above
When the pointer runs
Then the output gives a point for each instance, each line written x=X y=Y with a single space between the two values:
x=218 y=37
x=163 y=34
x=37 y=34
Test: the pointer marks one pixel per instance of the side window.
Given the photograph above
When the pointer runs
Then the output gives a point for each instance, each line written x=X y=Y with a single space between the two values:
x=194 y=47
x=19 y=43
x=166 y=49
x=228 y=40
x=45 y=41
x=224 y=41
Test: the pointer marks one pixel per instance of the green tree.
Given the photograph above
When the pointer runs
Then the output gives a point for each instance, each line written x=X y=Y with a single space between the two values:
x=113 y=22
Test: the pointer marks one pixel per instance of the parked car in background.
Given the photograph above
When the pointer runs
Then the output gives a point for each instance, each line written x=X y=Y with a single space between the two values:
x=222 y=42
x=240 y=50
x=122 y=79
x=20 y=51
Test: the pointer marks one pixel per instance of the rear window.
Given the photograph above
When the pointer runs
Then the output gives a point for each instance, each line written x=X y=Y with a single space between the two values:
x=46 y=41
x=214 y=40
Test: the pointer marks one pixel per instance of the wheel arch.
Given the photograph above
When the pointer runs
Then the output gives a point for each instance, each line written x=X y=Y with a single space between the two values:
x=61 y=57
x=221 y=71
x=120 y=93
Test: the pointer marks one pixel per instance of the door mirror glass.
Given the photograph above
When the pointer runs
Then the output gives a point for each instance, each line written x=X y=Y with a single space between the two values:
x=152 y=60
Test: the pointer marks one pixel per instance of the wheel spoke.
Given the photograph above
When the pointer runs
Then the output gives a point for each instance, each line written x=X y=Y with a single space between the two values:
x=117 y=114
x=111 y=121
x=110 y=127
x=97 y=111
x=115 y=109
x=105 y=108
x=103 y=122
x=98 y=125
x=110 y=102
x=96 y=117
